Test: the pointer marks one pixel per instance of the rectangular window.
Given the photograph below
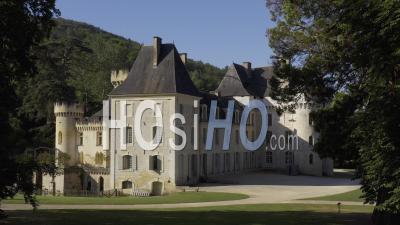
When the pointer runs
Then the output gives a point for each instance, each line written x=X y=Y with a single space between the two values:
x=204 y=113
x=311 y=140
x=237 y=117
x=194 y=165
x=160 y=107
x=80 y=138
x=289 y=158
x=228 y=162
x=129 y=135
x=287 y=134
x=237 y=161
x=216 y=136
x=268 y=157
x=269 y=119
x=204 y=136
x=155 y=163
x=217 y=163
x=126 y=162
x=129 y=110
x=99 y=138
x=126 y=184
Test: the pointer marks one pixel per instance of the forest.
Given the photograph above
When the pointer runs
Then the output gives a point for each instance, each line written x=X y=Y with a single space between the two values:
x=74 y=65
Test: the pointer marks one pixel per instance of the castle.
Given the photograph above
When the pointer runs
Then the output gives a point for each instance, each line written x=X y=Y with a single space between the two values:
x=97 y=162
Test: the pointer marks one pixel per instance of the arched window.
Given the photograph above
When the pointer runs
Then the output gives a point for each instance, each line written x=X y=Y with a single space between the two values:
x=59 y=141
x=126 y=184
x=311 y=159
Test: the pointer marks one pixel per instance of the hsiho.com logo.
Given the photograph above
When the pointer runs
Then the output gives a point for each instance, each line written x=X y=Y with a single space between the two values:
x=111 y=122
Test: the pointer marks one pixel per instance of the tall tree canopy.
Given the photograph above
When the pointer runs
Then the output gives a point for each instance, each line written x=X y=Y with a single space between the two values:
x=73 y=65
x=345 y=55
x=45 y=60
x=23 y=25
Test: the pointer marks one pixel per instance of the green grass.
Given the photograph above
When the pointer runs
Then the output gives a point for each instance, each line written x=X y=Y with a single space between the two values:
x=180 y=197
x=354 y=196
x=269 y=214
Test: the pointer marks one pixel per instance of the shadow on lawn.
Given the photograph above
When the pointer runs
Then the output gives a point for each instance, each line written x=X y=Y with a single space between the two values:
x=217 y=217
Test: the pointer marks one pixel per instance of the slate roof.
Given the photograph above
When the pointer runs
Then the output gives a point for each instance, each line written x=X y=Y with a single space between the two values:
x=169 y=77
x=239 y=81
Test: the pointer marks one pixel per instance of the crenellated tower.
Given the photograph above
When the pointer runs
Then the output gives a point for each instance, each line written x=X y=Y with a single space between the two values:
x=66 y=133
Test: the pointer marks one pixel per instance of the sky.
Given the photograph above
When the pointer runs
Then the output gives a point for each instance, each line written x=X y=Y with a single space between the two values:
x=215 y=31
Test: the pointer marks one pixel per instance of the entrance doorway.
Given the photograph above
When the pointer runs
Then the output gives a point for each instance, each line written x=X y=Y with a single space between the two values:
x=156 y=188
x=101 y=184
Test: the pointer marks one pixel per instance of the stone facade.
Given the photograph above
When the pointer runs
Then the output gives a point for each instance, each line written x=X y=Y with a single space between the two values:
x=98 y=163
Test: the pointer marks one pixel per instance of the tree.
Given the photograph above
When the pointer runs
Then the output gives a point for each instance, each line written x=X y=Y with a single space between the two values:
x=205 y=76
x=345 y=55
x=23 y=25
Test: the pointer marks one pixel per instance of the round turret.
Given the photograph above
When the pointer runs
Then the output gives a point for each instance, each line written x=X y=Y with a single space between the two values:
x=66 y=133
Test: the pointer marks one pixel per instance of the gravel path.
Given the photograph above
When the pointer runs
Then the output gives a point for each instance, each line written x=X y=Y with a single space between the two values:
x=261 y=187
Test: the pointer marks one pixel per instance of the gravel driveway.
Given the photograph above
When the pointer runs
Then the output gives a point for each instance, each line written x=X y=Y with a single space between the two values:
x=262 y=187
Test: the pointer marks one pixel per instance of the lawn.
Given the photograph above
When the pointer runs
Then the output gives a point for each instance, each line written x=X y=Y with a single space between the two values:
x=347 y=196
x=180 y=197
x=269 y=214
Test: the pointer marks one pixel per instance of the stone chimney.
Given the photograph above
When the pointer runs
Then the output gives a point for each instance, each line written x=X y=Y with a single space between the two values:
x=183 y=58
x=247 y=65
x=156 y=50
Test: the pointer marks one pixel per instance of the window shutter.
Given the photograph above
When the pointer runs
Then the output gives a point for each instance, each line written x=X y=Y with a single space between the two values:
x=134 y=160
x=130 y=162
x=159 y=163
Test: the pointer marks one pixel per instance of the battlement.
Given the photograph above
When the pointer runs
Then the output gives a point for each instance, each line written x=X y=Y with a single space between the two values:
x=89 y=125
x=118 y=77
x=65 y=109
